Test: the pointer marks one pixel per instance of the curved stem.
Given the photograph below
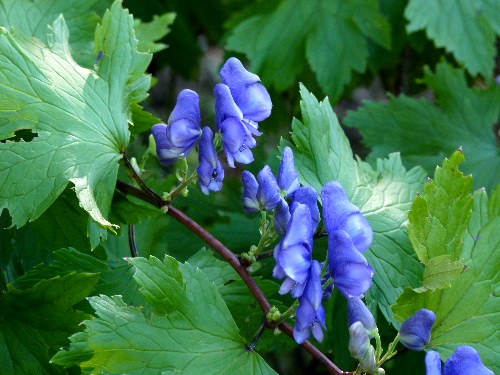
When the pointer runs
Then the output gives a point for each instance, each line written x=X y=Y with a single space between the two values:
x=131 y=241
x=153 y=198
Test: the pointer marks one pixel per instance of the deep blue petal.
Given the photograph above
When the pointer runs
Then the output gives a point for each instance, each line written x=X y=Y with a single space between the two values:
x=358 y=312
x=300 y=228
x=187 y=107
x=466 y=361
x=308 y=196
x=341 y=250
x=415 y=332
x=313 y=291
x=288 y=177
x=225 y=107
x=268 y=192
x=432 y=363
x=248 y=93
x=353 y=279
x=295 y=261
x=340 y=214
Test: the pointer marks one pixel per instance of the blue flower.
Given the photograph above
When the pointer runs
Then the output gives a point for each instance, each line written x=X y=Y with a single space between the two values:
x=249 y=94
x=294 y=252
x=210 y=170
x=175 y=140
x=340 y=214
x=347 y=266
x=288 y=177
x=415 y=332
x=310 y=313
x=358 y=312
x=268 y=191
x=236 y=132
x=465 y=361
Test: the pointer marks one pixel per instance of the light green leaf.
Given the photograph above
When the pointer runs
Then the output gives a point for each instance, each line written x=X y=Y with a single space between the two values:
x=384 y=194
x=424 y=133
x=36 y=322
x=80 y=117
x=33 y=18
x=467 y=312
x=322 y=151
x=439 y=217
x=149 y=32
x=277 y=39
x=197 y=335
x=467 y=29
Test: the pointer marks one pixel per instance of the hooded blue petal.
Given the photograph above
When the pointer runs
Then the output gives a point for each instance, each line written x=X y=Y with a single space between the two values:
x=250 y=186
x=288 y=177
x=268 y=192
x=415 y=332
x=432 y=363
x=308 y=196
x=358 y=312
x=210 y=170
x=466 y=361
x=340 y=214
x=347 y=266
x=248 y=93
x=187 y=107
x=225 y=107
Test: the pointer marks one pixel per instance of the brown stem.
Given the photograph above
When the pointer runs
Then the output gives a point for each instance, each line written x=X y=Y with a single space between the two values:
x=153 y=198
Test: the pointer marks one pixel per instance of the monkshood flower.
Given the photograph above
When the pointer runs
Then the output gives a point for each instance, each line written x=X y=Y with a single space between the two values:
x=261 y=193
x=415 y=332
x=310 y=313
x=247 y=91
x=210 y=170
x=288 y=177
x=236 y=134
x=348 y=268
x=340 y=214
x=358 y=312
x=175 y=140
x=294 y=252
x=465 y=361
x=359 y=342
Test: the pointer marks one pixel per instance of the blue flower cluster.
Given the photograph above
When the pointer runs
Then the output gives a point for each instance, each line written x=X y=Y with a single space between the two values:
x=241 y=101
x=296 y=218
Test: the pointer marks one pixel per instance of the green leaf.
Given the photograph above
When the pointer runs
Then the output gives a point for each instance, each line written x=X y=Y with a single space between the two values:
x=80 y=117
x=384 y=194
x=467 y=29
x=467 y=312
x=36 y=322
x=197 y=335
x=322 y=152
x=439 y=217
x=33 y=18
x=276 y=41
x=148 y=33
x=424 y=133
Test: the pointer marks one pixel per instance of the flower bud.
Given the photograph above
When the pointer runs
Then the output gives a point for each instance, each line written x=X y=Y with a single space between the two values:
x=358 y=312
x=210 y=170
x=250 y=186
x=358 y=340
x=415 y=332
x=268 y=191
x=288 y=177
